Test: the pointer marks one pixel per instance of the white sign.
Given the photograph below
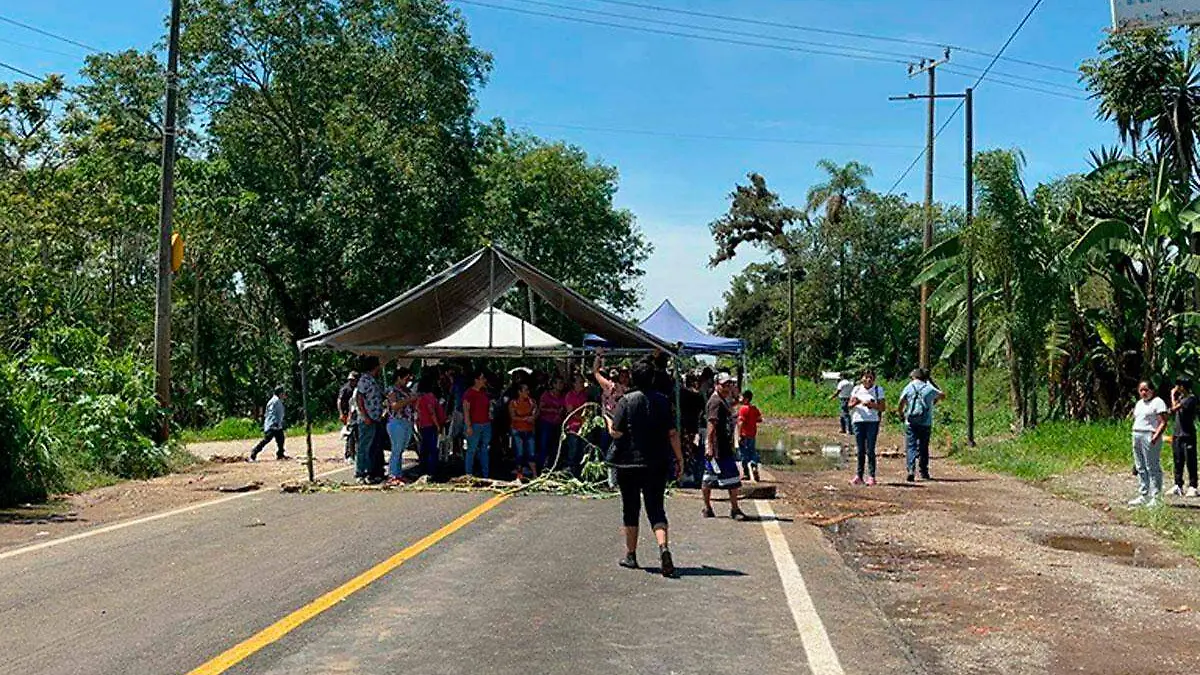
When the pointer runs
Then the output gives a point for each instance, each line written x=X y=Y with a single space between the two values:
x=1129 y=14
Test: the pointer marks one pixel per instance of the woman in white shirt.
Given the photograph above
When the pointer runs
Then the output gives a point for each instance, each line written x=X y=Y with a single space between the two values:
x=1149 y=422
x=866 y=403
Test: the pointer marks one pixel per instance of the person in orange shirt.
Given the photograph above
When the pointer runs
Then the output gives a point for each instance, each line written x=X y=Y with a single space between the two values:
x=523 y=412
x=747 y=433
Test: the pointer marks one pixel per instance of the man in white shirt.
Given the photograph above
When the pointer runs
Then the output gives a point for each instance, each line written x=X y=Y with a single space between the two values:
x=842 y=391
x=1149 y=423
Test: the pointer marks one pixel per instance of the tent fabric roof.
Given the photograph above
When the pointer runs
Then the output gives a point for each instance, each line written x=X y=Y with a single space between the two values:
x=448 y=301
x=510 y=335
x=670 y=326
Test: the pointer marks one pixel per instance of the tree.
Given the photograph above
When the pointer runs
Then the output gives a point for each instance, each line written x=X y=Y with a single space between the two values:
x=551 y=205
x=836 y=196
x=347 y=126
x=757 y=216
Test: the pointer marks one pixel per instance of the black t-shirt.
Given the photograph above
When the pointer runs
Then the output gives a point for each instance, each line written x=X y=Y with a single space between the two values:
x=691 y=409
x=645 y=422
x=719 y=413
x=1185 y=419
x=344 y=395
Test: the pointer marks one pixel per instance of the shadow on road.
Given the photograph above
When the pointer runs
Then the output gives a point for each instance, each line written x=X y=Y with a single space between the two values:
x=766 y=519
x=701 y=571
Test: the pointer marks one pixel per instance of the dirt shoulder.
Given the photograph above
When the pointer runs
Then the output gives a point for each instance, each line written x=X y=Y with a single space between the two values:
x=221 y=468
x=989 y=574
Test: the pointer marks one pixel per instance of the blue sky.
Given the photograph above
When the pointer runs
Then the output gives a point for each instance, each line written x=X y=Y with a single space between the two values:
x=578 y=82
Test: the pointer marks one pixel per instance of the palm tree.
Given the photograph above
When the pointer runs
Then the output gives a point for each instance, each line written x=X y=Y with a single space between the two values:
x=844 y=184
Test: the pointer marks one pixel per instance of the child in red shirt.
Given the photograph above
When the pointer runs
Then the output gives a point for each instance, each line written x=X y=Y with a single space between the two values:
x=431 y=418
x=748 y=418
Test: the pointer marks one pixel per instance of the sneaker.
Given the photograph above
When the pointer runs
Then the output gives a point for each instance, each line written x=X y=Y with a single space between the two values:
x=1152 y=502
x=871 y=481
x=668 y=566
x=708 y=512
x=736 y=514
x=925 y=476
x=1137 y=501
x=1176 y=491
x=1191 y=492
x=282 y=458
x=857 y=480
x=629 y=562
x=253 y=457
x=910 y=478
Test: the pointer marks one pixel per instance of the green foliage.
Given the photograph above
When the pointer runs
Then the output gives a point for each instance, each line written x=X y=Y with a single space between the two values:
x=244 y=429
x=80 y=415
x=1054 y=448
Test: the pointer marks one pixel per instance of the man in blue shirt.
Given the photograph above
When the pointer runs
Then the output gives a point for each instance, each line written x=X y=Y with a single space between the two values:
x=273 y=425
x=916 y=404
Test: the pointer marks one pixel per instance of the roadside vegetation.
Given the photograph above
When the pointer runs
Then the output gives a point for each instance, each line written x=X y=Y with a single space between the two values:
x=244 y=428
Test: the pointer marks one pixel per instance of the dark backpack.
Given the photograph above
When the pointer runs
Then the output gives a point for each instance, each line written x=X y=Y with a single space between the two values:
x=918 y=407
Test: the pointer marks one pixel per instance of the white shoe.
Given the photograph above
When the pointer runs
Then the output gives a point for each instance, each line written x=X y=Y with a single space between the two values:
x=1137 y=501
x=1193 y=493
x=1152 y=502
x=1176 y=491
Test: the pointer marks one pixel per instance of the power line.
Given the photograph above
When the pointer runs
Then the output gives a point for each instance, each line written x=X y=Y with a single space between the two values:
x=827 y=31
x=724 y=31
x=709 y=38
x=48 y=34
x=961 y=104
x=26 y=73
x=714 y=137
x=48 y=50
x=997 y=78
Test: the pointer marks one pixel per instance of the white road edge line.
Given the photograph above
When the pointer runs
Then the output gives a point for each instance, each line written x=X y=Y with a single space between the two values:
x=138 y=521
x=822 y=660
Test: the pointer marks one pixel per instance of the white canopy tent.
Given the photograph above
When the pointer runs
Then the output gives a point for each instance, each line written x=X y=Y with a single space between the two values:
x=508 y=336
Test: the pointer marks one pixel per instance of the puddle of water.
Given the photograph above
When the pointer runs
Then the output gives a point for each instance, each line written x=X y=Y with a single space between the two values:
x=780 y=447
x=1120 y=551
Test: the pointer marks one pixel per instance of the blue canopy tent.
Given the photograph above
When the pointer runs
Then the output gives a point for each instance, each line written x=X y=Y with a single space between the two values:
x=668 y=325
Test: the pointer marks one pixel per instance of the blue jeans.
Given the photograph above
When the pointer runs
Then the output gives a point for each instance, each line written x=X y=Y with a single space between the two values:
x=523 y=451
x=400 y=432
x=574 y=459
x=547 y=443
x=362 y=455
x=865 y=434
x=748 y=449
x=429 y=451
x=479 y=442
x=844 y=416
x=916 y=446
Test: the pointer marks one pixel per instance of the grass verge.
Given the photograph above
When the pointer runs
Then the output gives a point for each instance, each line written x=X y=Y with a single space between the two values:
x=244 y=428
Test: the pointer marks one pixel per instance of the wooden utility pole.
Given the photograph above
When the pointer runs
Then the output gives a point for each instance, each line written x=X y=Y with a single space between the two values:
x=930 y=68
x=969 y=106
x=787 y=259
x=166 y=209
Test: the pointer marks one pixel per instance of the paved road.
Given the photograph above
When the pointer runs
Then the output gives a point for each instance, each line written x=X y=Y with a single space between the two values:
x=531 y=586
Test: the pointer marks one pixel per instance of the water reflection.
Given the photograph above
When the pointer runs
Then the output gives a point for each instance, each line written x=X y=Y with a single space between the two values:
x=782 y=447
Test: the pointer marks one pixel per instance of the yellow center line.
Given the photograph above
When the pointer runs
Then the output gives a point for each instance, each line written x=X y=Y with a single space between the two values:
x=287 y=624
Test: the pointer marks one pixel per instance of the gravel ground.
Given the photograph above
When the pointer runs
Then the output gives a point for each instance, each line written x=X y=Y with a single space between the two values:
x=965 y=567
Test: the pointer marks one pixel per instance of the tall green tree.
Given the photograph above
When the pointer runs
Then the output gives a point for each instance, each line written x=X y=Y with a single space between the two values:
x=347 y=126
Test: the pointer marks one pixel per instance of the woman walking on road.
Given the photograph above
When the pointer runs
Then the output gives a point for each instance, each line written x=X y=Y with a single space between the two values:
x=1149 y=423
x=644 y=443
x=866 y=404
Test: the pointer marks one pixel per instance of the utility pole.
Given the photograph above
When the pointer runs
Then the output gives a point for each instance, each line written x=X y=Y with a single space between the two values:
x=166 y=209
x=930 y=68
x=791 y=327
x=969 y=106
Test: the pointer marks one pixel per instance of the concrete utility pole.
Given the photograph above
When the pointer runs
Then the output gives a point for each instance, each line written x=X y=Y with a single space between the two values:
x=166 y=209
x=930 y=68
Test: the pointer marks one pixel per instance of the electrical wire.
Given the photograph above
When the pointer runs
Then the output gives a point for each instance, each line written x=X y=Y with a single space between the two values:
x=26 y=73
x=723 y=31
x=709 y=38
x=48 y=50
x=715 y=137
x=828 y=31
x=963 y=103
x=48 y=34
x=996 y=78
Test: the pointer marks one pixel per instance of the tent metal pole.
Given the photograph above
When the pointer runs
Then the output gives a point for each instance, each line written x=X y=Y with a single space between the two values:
x=678 y=401
x=307 y=419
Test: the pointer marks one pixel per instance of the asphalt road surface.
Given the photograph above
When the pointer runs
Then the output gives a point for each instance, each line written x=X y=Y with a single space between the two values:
x=524 y=585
